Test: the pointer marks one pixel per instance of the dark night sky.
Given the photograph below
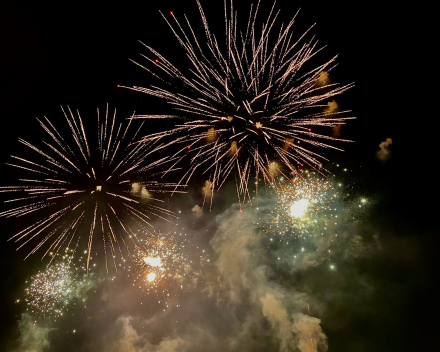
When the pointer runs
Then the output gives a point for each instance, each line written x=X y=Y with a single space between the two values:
x=77 y=54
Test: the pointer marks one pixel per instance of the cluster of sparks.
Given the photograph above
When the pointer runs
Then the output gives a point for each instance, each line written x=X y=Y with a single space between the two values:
x=51 y=291
x=245 y=103
x=81 y=185
x=304 y=202
x=162 y=266
x=308 y=214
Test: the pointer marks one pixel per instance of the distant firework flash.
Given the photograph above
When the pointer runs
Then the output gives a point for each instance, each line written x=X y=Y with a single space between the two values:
x=312 y=216
x=52 y=291
x=304 y=202
x=76 y=185
x=246 y=103
x=165 y=264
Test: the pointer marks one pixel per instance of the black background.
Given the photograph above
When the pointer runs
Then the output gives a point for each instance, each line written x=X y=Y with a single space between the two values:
x=77 y=53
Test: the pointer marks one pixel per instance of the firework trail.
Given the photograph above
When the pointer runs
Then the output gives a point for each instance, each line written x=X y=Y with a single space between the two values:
x=246 y=103
x=78 y=185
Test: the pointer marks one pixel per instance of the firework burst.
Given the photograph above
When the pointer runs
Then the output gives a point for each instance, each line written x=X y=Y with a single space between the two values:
x=302 y=203
x=314 y=219
x=76 y=184
x=163 y=265
x=310 y=204
x=51 y=291
x=245 y=103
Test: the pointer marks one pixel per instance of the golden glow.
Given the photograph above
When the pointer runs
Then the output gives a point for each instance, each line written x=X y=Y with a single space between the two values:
x=273 y=168
x=151 y=277
x=322 y=79
x=258 y=125
x=136 y=187
x=287 y=143
x=211 y=135
x=154 y=262
x=332 y=106
x=98 y=188
x=233 y=149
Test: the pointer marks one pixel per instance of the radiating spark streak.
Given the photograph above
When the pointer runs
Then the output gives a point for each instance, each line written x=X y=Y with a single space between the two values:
x=41 y=243
x=26 y=168
x=92 y=229
x=103 y=242
x=32 y=163
x=74 y=134
x=114 y=237
x=37 y=233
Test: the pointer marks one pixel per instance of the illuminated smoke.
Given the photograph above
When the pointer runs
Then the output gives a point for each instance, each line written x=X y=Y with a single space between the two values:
x=136 y=187
x=323 y=79
x=145 y=193
x=332 y=106
x=207 y=189
x=384 y=153
x=197 y=211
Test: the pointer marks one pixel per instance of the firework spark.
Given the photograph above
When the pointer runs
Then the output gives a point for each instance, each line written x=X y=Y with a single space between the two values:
x=87 y=185
x=245 y=103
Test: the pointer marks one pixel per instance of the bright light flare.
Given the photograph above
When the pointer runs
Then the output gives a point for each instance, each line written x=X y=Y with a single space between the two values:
x=154 y=262
x=151 y=277
x=298 y=209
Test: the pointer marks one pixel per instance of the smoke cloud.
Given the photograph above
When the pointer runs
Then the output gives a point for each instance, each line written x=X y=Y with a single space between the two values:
x=323 y=79
x=244 y=277
x=138 y=189
x=197 y=211
x=336 y=131
x=33 y=337
x=332 y=106
x=207 y=189
x=383 y=154
x=129 y=340
x=238 y=304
